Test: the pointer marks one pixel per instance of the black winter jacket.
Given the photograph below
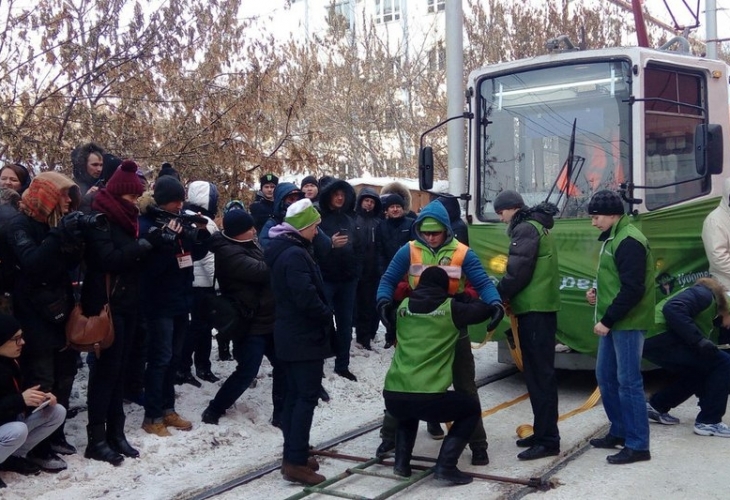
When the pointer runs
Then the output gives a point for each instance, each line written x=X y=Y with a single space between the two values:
x=390 y=235
x=345 y=263
x=303 y=329
x=12 y=403
x=366 y=224
x=261 y=210
x=242 y=273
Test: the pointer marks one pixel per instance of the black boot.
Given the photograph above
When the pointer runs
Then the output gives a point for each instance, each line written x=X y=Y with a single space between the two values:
x=404 y=440
x=98 y=448
x=58 y=443
x=117 y=440
x=445 y=469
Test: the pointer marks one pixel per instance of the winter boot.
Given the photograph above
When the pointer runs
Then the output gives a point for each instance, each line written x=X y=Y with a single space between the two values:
x=58 y=443
x=117 y=440
x=301 y=474
x=405 y=438
x=98 y=448
x=445 y=469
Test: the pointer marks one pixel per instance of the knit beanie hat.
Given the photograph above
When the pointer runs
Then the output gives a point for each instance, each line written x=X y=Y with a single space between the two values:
x=393 y=199
x=168 y=189
x=431 y=225
x=606 y=202
x=302 y=214
x=236 y=222
x=111 y=164
x=434 y=276
x=9 y=326
x=310 y=179
x=233 y=205
x=125 y=180
x=508 y=199
x=167 y=170
x=268 y=179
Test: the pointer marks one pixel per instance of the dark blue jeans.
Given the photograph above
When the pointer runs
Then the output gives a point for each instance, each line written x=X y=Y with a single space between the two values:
x=708 y=377
x=198 y=340
x=341 y=298
x=303 y=378
x=106 y=376
x=249 y=352
x=164 y=348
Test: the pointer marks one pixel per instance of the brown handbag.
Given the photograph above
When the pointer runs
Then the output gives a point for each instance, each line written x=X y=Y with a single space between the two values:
x=90 y=333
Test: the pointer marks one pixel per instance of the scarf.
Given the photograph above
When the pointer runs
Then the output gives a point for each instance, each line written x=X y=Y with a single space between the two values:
x=118 y=210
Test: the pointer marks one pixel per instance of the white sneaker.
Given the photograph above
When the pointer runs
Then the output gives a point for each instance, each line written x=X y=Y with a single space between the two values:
x=719 y=429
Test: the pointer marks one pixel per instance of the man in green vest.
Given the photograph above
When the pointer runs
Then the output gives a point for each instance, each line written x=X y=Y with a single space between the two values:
x=531 y=284
x=680 y=344
x=624 y=310
x=429 y=324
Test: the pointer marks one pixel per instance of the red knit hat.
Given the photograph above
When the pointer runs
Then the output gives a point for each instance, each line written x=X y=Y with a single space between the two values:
x=125 y=180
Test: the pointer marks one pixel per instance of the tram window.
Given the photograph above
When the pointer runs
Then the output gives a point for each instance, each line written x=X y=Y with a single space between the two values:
x=675 y=105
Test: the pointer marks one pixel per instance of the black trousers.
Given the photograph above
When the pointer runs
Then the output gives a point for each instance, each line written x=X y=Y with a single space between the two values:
x=537 y=340
x=366 y=316
x=450 y=406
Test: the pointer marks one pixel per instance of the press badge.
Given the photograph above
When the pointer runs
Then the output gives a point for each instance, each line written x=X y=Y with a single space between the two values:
x=184 y=260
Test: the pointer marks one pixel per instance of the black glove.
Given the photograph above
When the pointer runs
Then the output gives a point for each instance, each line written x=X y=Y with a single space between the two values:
x=154 y=238
x=706 y=347
x=497 y=315
x=463 y=297
x=386 y=311
x=389 y=338
x=71 y=225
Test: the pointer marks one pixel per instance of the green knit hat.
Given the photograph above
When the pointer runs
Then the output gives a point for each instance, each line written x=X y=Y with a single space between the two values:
x=302 y=214
x=431 y=225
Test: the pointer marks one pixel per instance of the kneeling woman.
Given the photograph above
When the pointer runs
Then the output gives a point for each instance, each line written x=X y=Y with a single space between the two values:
x=427 y=327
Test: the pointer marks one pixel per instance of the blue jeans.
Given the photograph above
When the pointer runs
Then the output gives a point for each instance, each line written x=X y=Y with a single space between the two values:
x=618 y=370
x=706 y=376
x=249 y=352
x=303 y=380
x=341 y=298
x=164 y=348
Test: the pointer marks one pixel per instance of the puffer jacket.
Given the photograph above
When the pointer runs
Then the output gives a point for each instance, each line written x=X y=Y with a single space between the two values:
x=366 y=224
x=716 y=238
x=344 y=263
x=203 y=199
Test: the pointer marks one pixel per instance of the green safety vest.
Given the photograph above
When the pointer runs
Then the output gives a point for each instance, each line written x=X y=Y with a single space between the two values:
x=703 y=320
x=424 y=355
x=542 y=294
x=641 y=316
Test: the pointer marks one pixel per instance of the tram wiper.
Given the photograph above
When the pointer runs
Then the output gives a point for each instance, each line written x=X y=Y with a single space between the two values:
x=571 y=167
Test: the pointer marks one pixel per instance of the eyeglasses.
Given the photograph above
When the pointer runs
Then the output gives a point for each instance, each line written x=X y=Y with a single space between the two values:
x=431 y=233
x=17 y=339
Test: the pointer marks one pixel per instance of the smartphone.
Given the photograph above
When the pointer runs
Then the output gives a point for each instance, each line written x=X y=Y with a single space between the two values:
x=42 y=405
x=343 y=231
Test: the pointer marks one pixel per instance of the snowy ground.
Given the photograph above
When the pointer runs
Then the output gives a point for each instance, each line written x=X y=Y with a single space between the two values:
x=683 y=465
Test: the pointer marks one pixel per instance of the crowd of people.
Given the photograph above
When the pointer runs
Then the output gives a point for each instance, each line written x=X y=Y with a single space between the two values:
x=289 y=278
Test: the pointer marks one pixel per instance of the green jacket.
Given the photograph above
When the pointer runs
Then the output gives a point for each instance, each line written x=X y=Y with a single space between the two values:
x=424 y=355
x=641 y=316
x=542 y=294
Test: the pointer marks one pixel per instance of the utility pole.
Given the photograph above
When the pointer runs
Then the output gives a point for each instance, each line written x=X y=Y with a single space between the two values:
x=455 y=95
x=711 y=28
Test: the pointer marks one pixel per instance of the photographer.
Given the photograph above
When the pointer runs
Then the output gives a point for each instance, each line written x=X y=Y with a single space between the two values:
x=166 y=297
x=47 y=243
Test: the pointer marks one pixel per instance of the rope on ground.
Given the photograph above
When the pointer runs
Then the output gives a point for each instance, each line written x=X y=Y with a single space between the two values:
x=526 y=430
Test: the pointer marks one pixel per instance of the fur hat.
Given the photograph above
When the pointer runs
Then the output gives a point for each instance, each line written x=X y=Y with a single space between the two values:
x=168 y=189
x=125 y=180
x=302 y=214
x=508 y=199
x=236 y=222
x=9 y=326
x=434 y=276
x=606 y=202
x=429 y=224
x=268 y=179
x=393 y=199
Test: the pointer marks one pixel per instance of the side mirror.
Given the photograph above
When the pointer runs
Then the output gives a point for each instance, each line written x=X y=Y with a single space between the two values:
x=708 y=149
x=425 y=168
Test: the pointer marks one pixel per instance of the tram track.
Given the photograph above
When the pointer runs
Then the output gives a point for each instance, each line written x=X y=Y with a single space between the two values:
x=374 y=425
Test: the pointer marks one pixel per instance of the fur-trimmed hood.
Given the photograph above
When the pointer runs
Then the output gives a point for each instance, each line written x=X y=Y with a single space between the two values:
x=401 y=190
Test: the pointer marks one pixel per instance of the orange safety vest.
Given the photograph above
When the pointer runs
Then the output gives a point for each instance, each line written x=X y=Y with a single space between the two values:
x=452 y=268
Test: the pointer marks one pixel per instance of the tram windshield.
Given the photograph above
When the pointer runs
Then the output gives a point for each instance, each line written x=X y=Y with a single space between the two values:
x=557 y=134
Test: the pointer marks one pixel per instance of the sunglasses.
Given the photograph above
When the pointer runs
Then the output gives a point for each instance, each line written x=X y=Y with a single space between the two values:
x=431 y=233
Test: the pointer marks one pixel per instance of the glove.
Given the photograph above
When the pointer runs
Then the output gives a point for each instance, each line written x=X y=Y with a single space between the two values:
x=389 y=338
x=386 y=311
x=463 y=297
x=496 y=317
x=70 y=223
x=706 y=347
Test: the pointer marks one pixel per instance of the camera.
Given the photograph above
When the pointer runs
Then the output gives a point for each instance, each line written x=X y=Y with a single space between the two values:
x=162 y=219
x=82 y=221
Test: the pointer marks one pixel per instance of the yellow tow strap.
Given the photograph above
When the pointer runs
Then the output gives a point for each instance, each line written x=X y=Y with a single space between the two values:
x=525 y=430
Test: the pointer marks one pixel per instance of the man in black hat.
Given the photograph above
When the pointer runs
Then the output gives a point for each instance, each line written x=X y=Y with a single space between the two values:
x=531 y=284
x=624 y=300
x=263 y=207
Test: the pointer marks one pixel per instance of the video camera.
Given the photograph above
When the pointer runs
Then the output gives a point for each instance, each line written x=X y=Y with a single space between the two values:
x=82 y=221
x=162 y=219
